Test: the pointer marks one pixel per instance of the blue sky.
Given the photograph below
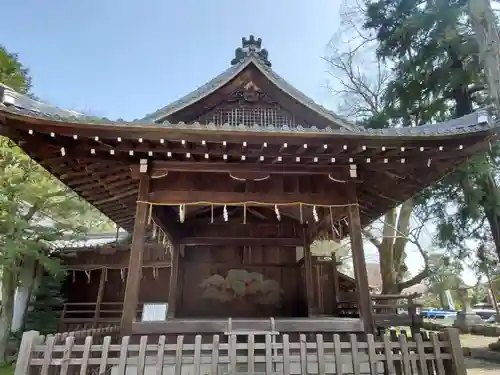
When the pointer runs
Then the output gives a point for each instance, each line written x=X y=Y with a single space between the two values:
x=127 y=58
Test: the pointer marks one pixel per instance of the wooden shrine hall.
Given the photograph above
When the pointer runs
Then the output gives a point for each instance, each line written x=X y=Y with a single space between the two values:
x=94 y=287
x=224 y=191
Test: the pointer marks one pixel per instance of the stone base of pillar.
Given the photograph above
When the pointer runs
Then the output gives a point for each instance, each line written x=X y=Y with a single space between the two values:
x=465 y=319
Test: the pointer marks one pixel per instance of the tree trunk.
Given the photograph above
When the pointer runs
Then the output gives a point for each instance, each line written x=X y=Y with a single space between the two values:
x=490 y=203
x=27 y=281
x=392 y=248
x=494 y=222
x=487 y=36
x=442 y=300
x=8 y=291
x=386 y=253
x=484 y=25
x=400 y=242
x=463 y=101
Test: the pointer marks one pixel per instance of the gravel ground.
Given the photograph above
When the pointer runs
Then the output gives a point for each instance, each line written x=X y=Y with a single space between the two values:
x=479 y=366
x=473 y=341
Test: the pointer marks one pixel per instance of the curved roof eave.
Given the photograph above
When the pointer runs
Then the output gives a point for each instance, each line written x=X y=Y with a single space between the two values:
x=26 y=109
x=475 y=122
x=197 y=94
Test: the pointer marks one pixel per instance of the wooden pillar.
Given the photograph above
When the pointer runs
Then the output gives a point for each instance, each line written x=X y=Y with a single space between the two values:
x=100 y=293
x=318 y=268
x=359 y=263
x=135 y=261
x=174 y=276
x=308 y=271
x=336 y=286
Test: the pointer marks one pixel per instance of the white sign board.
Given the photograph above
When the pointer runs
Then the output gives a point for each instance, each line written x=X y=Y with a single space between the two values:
x=154 y=312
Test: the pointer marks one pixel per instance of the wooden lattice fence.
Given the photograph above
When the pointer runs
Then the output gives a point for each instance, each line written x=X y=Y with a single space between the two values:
x=437 y=354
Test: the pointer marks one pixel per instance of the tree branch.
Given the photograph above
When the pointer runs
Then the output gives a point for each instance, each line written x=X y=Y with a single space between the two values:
x=370 y=237
x=420 y=276
x=417 y=279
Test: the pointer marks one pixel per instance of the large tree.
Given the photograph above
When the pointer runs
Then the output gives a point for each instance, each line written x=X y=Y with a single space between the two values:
x=36 y=210
x=360 y=81
x=13 y=73
x=444 y=275
x=438 y=73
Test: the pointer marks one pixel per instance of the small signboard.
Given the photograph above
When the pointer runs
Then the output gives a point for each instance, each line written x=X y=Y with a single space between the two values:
x=154 y=312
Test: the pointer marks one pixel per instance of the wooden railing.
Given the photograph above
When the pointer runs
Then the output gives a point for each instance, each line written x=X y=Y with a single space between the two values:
x=397 y=310
x=388 y=310
x=385 y=303
x=85 y=315
x=274 y=354
x=112 y=331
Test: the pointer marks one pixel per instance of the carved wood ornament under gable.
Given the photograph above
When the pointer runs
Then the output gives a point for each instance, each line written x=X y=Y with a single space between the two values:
x=249 y=93
x=249 y=105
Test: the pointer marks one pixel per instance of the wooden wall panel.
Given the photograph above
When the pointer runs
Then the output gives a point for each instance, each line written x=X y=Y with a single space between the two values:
x=235 y=228
x=114 y=288
x=79 y=288
x=154 y=289
x=151 y=290
x=202 y=262
x=113 y=257
x=323 y=286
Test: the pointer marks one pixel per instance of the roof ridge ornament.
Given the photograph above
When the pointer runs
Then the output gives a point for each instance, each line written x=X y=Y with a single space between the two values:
x=251 y=47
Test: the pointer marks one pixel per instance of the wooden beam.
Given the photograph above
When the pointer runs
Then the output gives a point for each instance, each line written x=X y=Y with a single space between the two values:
x=187 y=197
x=199 y=326
x=338 y=171
x=359 y=263
x=256 y=213
x=106 y=176
x=115 y=266
x=100 y=293
x=166 y=218
x=135 y=261
x=302 y=149
x=116 y=197
x=172 y=287
x=308 y=271
x=335 y=281
x=251 y=241
x=272 y=160
x=254 y=266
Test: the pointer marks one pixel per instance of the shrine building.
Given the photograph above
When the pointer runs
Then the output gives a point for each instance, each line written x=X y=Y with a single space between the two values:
x=222 y=193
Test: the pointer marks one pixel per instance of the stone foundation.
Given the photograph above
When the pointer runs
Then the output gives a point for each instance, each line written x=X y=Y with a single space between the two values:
x=475 y=329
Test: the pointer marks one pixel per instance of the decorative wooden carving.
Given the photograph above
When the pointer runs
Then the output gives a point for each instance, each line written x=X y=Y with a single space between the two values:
x=249 y=105
x=239 y=285
x=250 y=93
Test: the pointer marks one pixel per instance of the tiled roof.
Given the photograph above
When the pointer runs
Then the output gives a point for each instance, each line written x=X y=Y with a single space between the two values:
x=9 y=96
x=195 y=95
x=15 y=103
x=89 y=241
